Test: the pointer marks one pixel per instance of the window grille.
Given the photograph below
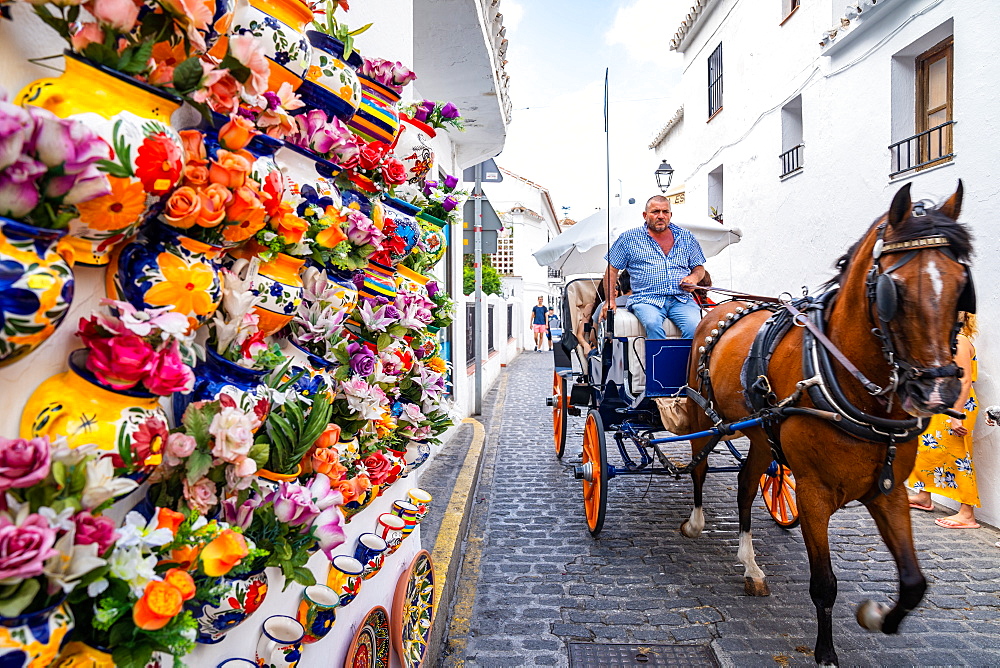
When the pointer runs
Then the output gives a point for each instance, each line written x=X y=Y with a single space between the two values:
x=470 y=333
x=715 y=81
x=510 y=321
x=791 y=160
x=922 y=149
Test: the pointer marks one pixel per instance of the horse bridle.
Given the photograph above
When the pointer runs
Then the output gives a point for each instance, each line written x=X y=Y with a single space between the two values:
x=883 y=303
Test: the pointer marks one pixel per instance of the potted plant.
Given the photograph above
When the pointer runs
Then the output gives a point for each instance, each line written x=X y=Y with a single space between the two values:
x=290 y=431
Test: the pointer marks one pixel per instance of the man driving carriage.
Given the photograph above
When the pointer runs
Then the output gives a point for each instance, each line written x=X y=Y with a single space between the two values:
x=665 y=263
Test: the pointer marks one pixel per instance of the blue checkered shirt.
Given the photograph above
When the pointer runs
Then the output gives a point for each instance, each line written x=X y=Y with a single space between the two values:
x=656 y=276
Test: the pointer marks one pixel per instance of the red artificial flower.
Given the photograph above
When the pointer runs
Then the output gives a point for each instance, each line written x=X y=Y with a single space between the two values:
x=393 y=172
x=158 y=164
x=371 y=154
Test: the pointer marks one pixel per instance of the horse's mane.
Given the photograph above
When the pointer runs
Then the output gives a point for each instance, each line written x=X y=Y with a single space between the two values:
x=933 y=223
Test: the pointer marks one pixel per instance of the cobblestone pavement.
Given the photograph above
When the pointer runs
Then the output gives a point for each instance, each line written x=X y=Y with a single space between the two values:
x=544 y=582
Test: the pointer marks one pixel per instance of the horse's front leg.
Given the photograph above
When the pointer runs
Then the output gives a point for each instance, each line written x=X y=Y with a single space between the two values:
x=693 y=526
x=815 y=510
x=892 y=517
x=757 y=461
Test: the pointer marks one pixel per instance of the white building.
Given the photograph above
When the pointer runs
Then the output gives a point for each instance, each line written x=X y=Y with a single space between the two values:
x=818 y=127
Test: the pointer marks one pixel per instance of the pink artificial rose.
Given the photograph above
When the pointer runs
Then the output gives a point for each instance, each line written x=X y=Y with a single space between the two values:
x=118 y=14
x=23 y=463
x=88 y=33
x=201 y=495
x=121 y=362
x=179 y=447
x=15 y=131
x=91 y=529
x=233 y=433
x=18 y=187
x=169 y=374
x=219 y=89
x=378 y=466
x=24 y=548
x=246 y=49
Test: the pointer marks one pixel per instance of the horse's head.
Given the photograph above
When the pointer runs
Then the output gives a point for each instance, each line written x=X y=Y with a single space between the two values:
x=917 y=284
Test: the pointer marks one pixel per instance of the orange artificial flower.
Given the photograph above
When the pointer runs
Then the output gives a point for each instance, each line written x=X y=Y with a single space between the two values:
x=291 y=228
x=225 y=551
x=184 y=286
x=327 y=462
x=169 y=519
x=348 y=489
x=182 y=581
x=436 y=364
x=274 y=187
x=236 y=134
x=195 y=175
x=184 y=556
x=120 y=208
x=183 y=207
x=159 y=604
x=245 y=205
x=194 y=146
x=334 y=234
x=229 y=169
x=214 y=199
x=330 y=437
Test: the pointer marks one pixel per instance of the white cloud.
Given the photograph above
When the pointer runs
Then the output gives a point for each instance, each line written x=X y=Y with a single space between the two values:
x=512 y=12
x=644 y=28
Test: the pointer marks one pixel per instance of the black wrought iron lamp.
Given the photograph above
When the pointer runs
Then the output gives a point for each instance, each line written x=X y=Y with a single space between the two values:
x=664 y=173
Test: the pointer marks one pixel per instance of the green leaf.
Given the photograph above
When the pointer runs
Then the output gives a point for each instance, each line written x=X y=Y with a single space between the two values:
x=59 y=474
x=259 y=453
x=197 y=420
x=198 y=465
x=15 y=599
x=303 y=576
x=384 y=340
x=187 y=75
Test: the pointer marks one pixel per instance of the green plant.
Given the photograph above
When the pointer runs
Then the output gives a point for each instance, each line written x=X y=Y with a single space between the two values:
x=491 y=278
x=336 y=29
x=292 y=428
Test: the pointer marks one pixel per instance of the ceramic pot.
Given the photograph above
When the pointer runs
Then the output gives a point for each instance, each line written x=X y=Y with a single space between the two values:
x=318 y=372
x=346 y=295
x=127 y=425
x=410 y=281
x=163 y=267
x=435 y=240
x=345 y=578
x=377 y=118
x=279 y=27
x=280 y=477
x=370 y=552
x=244 y=596
x=413 y=149
x=36 y=286
x=422 y=500
x=80 y=655
x=390 y=528
x=317 y=612
x=303 y=167
x=134 y=118
x=331 y=82
x=277 y=284
x=380 y=281
x=263 y=149
x=416 y=455
x=280 y=644
x=400 y=227
x=34 y=638
x=217 y=375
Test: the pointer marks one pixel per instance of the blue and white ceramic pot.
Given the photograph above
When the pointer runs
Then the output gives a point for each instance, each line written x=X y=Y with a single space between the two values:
x=331 y=82
x=244 y=596
x=35 y=638
x=217 y=375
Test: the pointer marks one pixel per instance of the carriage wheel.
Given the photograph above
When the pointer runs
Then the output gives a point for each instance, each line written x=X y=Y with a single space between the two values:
x=595 y=490
x=559 y=415
x=777 y=488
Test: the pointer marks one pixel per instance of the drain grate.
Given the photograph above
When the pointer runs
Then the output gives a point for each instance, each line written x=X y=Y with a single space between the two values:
x=591 y=655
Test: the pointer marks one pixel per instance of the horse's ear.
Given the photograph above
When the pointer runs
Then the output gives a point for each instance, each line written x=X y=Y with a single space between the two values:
x=953 y=206
x=901 y=206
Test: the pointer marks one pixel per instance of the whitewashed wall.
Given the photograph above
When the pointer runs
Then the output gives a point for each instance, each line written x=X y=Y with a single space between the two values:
x=795 y=229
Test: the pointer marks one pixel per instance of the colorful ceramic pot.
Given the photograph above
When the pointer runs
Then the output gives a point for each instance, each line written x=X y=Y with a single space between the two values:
x=346 y=295
x=370 y=552
x=277 y=284
x=413 y=149
x=317 y=373
x=377 y=118
x=356 y=199
x=352 y=508
x=163 y=267
x=390 y=528
x=317 y=612
x=380 y=281
x=244 y=596
x=409 y=281
x=280 y=644
x=217 y=375
x=400 y=225
x=407 y=512
x=80 y=655
x=279 y=27
x=331 y=82
x=34 y=638
x=417 y=453
x=345 y=577
x=127 y=425
x=36 y=286
x=422 y=500
x=303 y=167
x=435 y=239
x=147 y=155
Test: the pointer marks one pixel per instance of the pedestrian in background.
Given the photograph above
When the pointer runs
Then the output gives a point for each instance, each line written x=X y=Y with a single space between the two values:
x=944 y=453
x=538 y=324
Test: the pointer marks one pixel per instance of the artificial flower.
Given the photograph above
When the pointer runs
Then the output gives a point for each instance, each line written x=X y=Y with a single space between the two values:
x=160 y=603
x=223 y=552
x=158 y=162
x=101 y=484
x=24 y=547
x=23 y=462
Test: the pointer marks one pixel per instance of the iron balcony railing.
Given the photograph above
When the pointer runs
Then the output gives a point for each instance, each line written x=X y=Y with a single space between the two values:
x=791 y=160
x=922 y=149
x=554 y=273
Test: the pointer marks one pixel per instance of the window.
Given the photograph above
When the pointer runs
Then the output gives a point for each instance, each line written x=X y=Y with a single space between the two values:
x=787 y=7
x=715 y=193
x=510 y=322
x=791 y=137
x=491 y=345
x=934 y=100
x=715 y=82
x=470 y=333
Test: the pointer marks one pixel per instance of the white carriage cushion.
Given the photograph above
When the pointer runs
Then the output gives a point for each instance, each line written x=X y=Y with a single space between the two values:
x=626 y=324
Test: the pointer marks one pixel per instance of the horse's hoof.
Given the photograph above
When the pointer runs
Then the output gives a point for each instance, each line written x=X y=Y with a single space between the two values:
x=688 y=531
x=756 y=587
x=870 y=614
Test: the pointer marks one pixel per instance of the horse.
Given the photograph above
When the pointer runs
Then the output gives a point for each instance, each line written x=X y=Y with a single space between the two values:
x=892 y=309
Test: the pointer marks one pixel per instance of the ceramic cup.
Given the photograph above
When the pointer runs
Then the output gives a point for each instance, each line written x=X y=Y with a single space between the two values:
x=371 y=553
x=408 y=512
x=390 y=528
x=280 y=643
x=345 y=577
x=422 y=500
x=317 y=612
x=237 y=663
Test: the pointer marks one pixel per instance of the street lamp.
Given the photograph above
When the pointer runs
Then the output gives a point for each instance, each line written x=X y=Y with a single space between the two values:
x=664 y=173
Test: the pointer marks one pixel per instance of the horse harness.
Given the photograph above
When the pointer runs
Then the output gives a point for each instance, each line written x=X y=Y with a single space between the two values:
x=821 y=383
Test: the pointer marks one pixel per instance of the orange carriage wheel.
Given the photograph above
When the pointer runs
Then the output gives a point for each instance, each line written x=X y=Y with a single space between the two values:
x=777 y=488
x=560 y=403
x=595 y=473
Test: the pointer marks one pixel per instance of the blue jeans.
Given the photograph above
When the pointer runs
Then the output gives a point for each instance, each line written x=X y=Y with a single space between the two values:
x=686 y=315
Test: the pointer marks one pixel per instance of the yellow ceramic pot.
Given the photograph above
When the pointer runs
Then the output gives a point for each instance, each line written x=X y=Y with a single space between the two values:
x=78 y=655
x=279 y=27
x=410 y=281
x=280 y=477
x=34 y=638
x=128 y=425
x=277 y=284
x=147 y=159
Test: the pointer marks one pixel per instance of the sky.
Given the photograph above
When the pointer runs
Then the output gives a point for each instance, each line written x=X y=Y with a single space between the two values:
x=556 y=60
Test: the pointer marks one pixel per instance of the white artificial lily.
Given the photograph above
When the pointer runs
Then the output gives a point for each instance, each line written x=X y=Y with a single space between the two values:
x=70 y=456
x=128 y=564
x=102 y=484
x=61 y=521
x=137 y=532
x=72 y=563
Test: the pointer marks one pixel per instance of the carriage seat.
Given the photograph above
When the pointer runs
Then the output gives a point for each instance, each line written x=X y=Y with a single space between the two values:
x=627 y=325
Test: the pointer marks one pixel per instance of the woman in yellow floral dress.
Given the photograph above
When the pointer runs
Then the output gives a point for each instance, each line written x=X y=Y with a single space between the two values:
x=944 y=454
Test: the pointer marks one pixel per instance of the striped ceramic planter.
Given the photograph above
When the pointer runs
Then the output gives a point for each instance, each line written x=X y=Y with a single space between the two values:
x=376 y=118
x=380 y=281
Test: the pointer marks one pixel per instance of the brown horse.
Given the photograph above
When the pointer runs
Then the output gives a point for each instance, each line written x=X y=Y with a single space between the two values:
x=905 y=279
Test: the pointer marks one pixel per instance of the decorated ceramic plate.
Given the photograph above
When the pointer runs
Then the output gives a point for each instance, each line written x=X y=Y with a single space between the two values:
x=413 y=611
x=370 y=647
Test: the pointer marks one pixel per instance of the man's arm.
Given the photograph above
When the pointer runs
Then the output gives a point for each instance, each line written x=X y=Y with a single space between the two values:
x=690 y=282
x=610 y=283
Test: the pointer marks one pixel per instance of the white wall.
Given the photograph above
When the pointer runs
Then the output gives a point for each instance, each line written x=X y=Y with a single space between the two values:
x=795 y=229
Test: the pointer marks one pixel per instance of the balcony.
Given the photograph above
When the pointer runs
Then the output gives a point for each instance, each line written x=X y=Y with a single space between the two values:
x=922 y=150
x=791 y=160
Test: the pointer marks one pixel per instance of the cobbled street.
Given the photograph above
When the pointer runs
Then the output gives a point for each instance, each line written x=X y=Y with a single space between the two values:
x=544 y=582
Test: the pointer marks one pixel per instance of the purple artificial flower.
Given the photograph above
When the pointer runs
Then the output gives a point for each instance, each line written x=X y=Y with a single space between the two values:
x=273 y=101
x=429 y=186
x=15 y=132
x=432 y=288
x=323 y=496
x=450 y=111
x=391 y=312
x=449 y=203
x=361 y=230
x=240 y=516
x=99 y=530
x=450 y=182
x=293 y=504
x=362 y=359
x=24 y=548
x=428 y=105
x=23 y=462
x=420 y=114
x=18 y=188
x=329 y=526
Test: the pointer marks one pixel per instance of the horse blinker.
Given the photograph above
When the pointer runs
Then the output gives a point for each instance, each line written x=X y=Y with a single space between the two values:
x=886 y=298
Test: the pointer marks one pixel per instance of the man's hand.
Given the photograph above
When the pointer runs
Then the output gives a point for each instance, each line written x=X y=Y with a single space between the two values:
x=604 y=310
x=687 y=284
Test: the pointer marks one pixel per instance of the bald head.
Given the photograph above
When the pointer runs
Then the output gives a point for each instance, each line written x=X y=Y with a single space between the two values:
x=658 y=199
x=657 y=214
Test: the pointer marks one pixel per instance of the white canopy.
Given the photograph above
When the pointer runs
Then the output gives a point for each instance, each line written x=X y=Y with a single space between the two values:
x=581 y=248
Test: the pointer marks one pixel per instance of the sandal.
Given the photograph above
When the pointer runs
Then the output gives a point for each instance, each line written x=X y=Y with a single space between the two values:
x=929 y=507
x=952 y=524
